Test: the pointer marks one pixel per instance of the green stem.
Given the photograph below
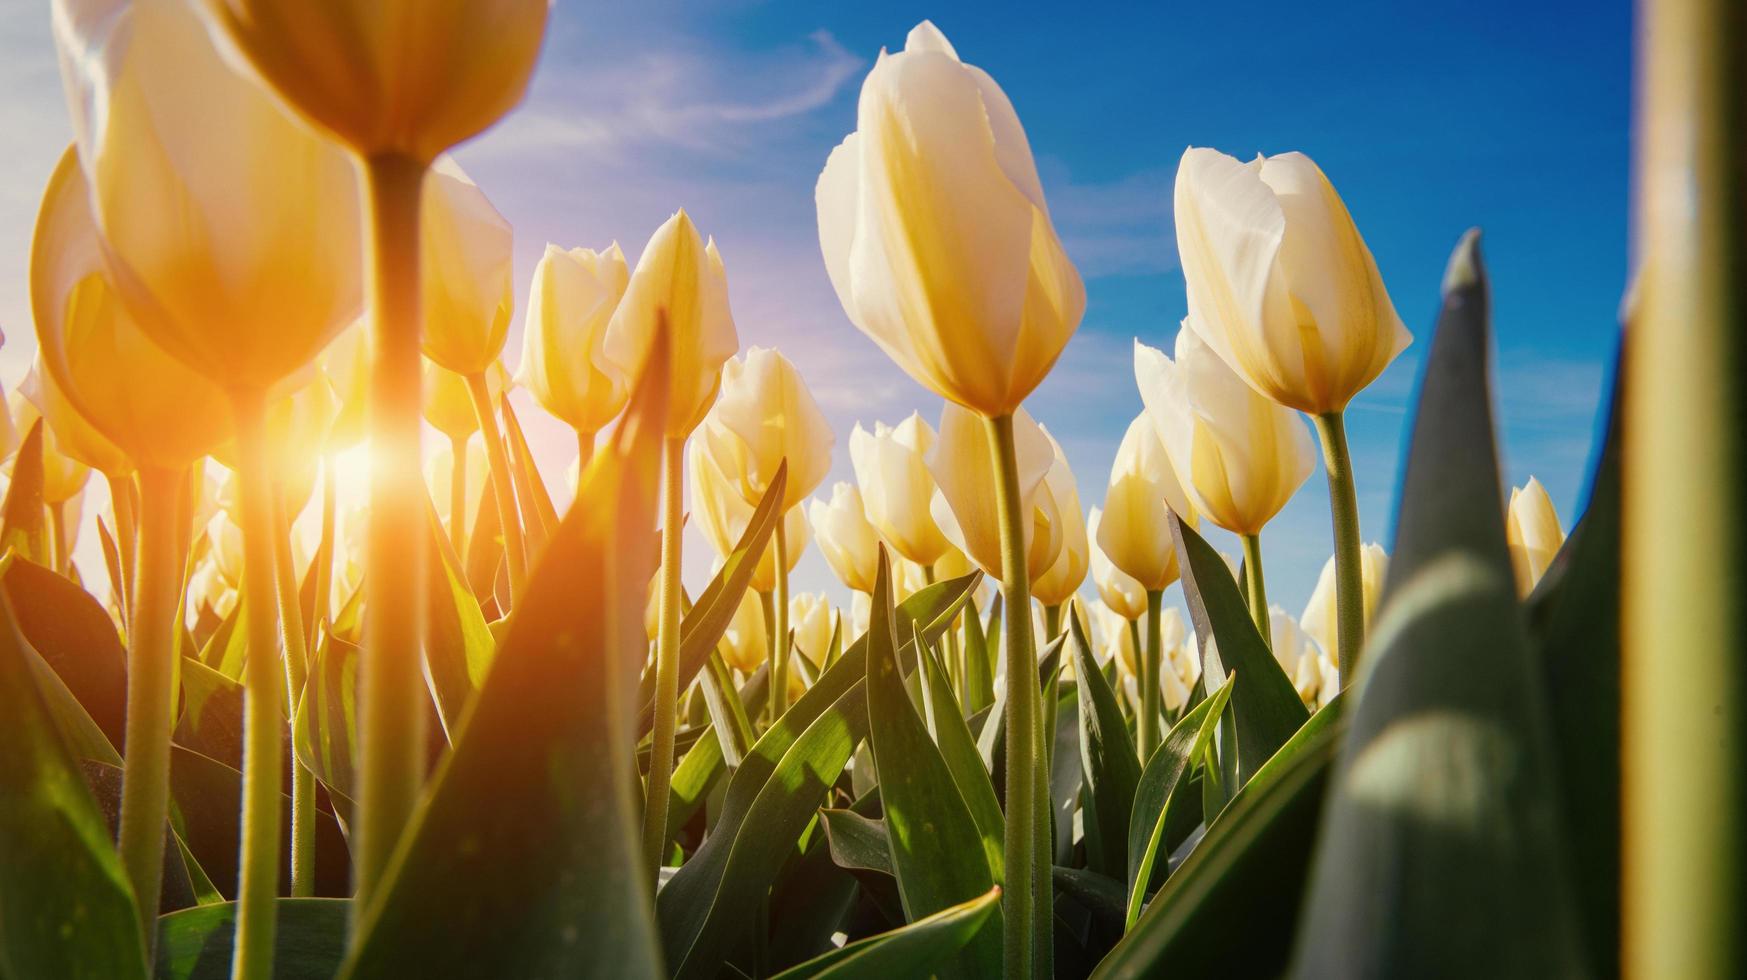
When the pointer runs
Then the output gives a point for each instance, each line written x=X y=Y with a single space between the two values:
x=1343 y=503
x=1255 y=586
x=779 y=629
x=263 y=700
x=1147 y=738
x=296 y=673
x=458 y=494
x=151 y=694
x=391 y=696
x=666 y=660
x=1022 y=904
x=502 y=483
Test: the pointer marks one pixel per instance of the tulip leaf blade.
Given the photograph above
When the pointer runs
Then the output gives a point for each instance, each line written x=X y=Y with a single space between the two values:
x=74 y=635
x=1165 y=774
x=914 y=950
x=959 y=750
x=309 y=939
x=325 y=725
x=459 y=644
x=1446 y=769
x=23 y=527
x=857 y=843
x=1109 y=767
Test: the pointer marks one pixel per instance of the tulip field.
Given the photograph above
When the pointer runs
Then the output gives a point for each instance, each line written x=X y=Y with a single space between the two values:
x=1045 y=727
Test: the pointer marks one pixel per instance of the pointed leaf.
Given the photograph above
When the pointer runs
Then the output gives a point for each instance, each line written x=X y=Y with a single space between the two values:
x=308 y=940
x=918 y=949
x=23 y=526
x=1108 y=764
x=458 y=642
x=1165 y=775
x=959 y=750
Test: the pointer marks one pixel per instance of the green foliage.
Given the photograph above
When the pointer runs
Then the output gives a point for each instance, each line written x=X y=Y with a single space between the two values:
x=914 y=950
x=308 y=942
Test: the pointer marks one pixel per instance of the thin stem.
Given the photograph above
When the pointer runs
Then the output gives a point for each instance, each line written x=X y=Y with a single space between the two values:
x=1023 y=905
x=1255 y=586
x=126 y=532
x=1343 y=503
x=324 y=572
x=151 y=694
x=263 y=699
x=58 y=536
x=1052 y=621
x=458 y=494
x=391 y=695
x=666 y=660
x=296 y=674
x=779 y=648
x=585 y=440
x=1150 y=660
x=502 y=483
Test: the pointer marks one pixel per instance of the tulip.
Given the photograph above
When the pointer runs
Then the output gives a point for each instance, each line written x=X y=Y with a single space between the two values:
x=455 y=478
x=1121 y=592
x=723 y=516
x=464 y=272
x=570 y=302
x=813 y=625
x=1240 y=457
x=1318 y=618
x=936 y=235
x=77 y=446
x=964 y=505
x=849 y=543
x=1533 y=531
x=63 y=476
x=1296 y=653
x=448 y=405
x=891 y=467
x=680 y=277
x=745 y=641
x=1058 y=583
x=764 y=417
x=1281 y=285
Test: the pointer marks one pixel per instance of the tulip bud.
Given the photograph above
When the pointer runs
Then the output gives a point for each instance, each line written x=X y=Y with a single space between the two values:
x=1318 y=618
x=392 y=76
x=723 y=516
x=1121 y=593
x=74 y=437
x=849 y=543
x=1296 y=653
x=62 y=476
x=1239 y=456
x=681 y=278
x=891 y=467
x=965 y=481
x=1280 y=283
x=1533 y=532
x=464 y=272
x=1133 y=530
x=143 y=402
x=1116 y=640
x=240 y=254
x=1063 y=577
x=936 y=235
x=570 y=303
x=297 y=431
x=812 y=622
x=745 y=642
x=764 y=416
x=449 y=402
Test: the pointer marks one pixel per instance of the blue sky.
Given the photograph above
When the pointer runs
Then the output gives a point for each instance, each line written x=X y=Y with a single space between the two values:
x=1428 y=118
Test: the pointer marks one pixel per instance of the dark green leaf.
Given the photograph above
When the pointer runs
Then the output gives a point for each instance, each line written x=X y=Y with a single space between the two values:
x=308 y=940
x=959 y=750
x=1159 y=784
x=979 y=666
x=74 y=634
x=325 y=726
x=916 y=950
x=1441 y=849
x=857 y=843
x=1108 y=765
x=1101 y=895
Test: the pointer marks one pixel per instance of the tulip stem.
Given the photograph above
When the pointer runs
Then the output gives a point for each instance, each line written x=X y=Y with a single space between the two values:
x=1023 y=904
x=458 y=494
x=1147 y=737
x=502 y=482
x=151 y=694
x=391 y=698
x=779 y=630
x=585 y=439
x=296 y=673
x=126 y=531
x=1343 y=502
x=666 y=661
x=263 y=699
x=1256 y=587
x=58 y=536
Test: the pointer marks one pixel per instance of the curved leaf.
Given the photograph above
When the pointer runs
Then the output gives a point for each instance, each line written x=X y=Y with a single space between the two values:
x=73 y=633
x=1108 y=764
x=1154 y=797
x=857 y=843
x=912 y=951
x=459 y=644
x=308 y=941
x=23 y=529
x=953 y=735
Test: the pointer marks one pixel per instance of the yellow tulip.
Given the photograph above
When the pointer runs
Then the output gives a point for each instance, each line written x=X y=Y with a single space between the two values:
x=408 y=77
x=1063 y=577
x=1296 y=653
x=448 y=403
x=1115 y=639
x=146 y=404
x=763 y=416
x=745 y=641
x=1239 y=456
x=63 y=477
x=1318 y=618
x=297 y=432
x=439 y=470
x=849 y=543
x=1279 y=281
x=965 y=479
x=936 y=235
x=346 y=366
x=680 y=277
x=1121 y=593
x=1132 y=531
x=74 y=436
x=464 y=272
x=1533 y=532
x=891 y=467
x=812 y=622
x=723 y=515
x=570 y=303
x=233 y=229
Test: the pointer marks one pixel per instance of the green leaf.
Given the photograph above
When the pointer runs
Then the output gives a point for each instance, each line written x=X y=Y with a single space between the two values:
x=539 y=517
x=75 y=636
x=1101 y=895
x=727 y=714
x=1153 y=799
x=1230 y=909
x=325 y=726
x=959 y=750
x=711 y=901
x=1265 y=708
x=211 y=722
x=308 y=940
x=65 y=906
x=223 y=650
x=525 y=845
x=936 y=846
x=979 y=666
x=1109 y=767
x=1441 y=850
x=694 y=777
x=857 y=843
x=485 y=554
x=23 y=527
x=458 y=642
x=915 y=950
